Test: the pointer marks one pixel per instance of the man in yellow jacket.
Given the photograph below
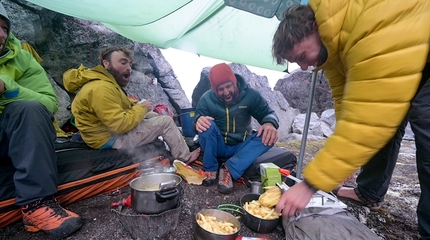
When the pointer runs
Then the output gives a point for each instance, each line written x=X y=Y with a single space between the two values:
x=374 y=54
x=107 y=118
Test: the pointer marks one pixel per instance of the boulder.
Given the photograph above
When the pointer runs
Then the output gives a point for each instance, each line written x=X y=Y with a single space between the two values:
x=295 y=89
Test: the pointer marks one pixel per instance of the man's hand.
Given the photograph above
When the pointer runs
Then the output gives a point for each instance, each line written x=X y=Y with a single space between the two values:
x=203 y=123
x=147 y=104
x=294 y=200
x=270 y=134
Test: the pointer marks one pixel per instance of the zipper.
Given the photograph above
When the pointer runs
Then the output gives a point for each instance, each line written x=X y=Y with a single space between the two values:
x=234 y=124
x=227 y=113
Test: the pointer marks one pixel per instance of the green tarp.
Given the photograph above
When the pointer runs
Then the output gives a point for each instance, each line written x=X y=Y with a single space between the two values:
x=206 y=27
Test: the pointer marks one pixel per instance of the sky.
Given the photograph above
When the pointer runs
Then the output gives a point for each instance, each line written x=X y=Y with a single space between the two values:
x=188 y=66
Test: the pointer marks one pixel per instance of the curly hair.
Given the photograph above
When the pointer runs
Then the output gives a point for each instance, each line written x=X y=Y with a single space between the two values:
x=106 y=53
x=297 y=24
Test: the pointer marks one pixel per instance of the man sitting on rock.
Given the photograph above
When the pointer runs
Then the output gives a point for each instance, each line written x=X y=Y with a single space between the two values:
x=108 y=119
x=223 y=116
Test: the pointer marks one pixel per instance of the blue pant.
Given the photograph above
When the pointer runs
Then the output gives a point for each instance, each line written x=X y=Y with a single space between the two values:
x=241 y=155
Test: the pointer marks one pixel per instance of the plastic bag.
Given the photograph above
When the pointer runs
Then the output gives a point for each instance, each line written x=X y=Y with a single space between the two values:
x=162 y=109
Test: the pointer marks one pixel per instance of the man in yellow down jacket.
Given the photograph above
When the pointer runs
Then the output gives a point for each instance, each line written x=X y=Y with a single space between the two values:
x=107 y=118
x=374 y=54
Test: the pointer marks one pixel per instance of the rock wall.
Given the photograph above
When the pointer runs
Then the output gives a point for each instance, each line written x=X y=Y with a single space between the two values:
x=295 y=88
x=65 y=42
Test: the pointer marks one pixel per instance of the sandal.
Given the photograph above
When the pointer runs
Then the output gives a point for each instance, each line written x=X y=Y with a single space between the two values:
x=337 y=190
x=373 y=206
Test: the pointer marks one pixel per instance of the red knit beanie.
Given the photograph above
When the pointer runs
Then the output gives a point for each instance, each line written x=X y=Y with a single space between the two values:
x=219 y=74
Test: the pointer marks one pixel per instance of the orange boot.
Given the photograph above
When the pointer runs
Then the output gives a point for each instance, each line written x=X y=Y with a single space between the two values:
x=50 y=217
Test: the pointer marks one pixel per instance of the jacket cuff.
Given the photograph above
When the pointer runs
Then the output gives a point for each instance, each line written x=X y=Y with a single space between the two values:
x=275 y=124
x=11 y=93
x=310 y=186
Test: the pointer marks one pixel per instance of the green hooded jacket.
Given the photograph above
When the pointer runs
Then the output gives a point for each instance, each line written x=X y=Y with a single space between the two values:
x=24 y=78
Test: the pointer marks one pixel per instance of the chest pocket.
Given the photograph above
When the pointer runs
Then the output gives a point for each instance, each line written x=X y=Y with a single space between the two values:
x=239 y=119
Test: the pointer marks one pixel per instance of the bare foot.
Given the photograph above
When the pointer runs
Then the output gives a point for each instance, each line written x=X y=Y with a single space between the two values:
x=347 y=192
x=194 y=155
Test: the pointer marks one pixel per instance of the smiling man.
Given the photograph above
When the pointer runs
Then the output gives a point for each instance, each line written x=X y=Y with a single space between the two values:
x=375 y=56
x=107 y=118
x=223 y=116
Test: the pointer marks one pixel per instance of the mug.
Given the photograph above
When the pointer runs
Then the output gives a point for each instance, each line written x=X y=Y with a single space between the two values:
x=256 y=187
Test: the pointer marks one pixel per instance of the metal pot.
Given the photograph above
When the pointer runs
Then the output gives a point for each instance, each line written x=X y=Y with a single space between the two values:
x=254 y=223
x=155 y=193
x=202 y=234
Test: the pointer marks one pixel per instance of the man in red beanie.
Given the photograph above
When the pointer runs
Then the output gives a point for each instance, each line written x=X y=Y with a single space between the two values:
x=222 y=120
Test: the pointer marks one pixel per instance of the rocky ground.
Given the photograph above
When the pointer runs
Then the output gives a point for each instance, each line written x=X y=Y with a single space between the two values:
x=395 y=220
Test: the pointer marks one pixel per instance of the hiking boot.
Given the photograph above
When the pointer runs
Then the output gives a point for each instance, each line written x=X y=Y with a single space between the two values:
x=50 y=217
x=210 y=179
x=225 y=183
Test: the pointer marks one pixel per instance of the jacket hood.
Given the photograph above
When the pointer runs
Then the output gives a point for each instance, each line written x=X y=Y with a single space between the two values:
x=11 y=49
x=74 y=79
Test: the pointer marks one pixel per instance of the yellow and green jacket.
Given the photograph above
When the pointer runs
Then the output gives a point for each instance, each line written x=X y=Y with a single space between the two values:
x=101 y=108
x=376 y=52
x=24 y=78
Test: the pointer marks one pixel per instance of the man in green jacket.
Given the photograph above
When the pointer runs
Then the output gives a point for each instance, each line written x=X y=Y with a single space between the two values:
x=374 y=55
x=27 y=135
x=222 y=120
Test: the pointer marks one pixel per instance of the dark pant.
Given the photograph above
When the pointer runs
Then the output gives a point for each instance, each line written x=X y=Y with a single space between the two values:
x=419 y=117
x=27 y=137
x=375 y=176
x=241 y=155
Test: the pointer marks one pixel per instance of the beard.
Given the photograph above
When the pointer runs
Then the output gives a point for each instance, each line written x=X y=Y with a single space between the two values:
x=2 y=46
x=119 y=77
x=234 y=96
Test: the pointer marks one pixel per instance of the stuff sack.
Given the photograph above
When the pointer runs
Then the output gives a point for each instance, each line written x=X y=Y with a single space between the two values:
x=325 y=224
x=279 y=156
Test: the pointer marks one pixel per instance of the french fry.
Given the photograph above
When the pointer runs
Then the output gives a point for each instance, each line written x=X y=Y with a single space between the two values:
x=210 y=224
x=256 y=209
x=201 y=217
x=267 y=216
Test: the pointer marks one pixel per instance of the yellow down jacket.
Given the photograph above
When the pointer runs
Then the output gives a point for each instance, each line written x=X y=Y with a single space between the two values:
x=376 y=52
x=101 y=108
